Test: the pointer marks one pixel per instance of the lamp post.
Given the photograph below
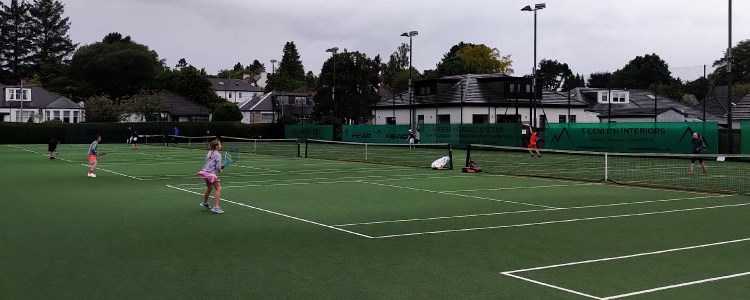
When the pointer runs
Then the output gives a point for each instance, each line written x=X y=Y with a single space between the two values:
x=537 y=6
x=411 y=35
x=273 y=66
x=729 y=86
x=333 y=51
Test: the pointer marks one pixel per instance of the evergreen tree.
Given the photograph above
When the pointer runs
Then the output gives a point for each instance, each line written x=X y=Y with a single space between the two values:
x=15 y=38
x=49 y=30
x=291 y=66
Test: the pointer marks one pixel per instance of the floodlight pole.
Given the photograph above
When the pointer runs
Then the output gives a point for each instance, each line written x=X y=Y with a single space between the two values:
x=729 y=86
x=412 y=111
x=537 y=7
x=333 y=51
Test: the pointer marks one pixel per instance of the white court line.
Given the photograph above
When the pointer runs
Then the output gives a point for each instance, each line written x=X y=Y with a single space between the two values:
x=454 y=194
x=113 y=172
x=631 y=255
x=532 y=211
x=178 y=176
x=278 y=214
x=552 y=286
x=154 y=155
x=40 y=153
x=559 y=221
x=523 y=187
x=674 y=286
x=305 y=179
x=325 y=182
x=511 y=273
x=259 y=169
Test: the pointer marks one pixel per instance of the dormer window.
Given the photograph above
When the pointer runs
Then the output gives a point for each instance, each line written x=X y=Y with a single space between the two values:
x=617 y=96
x=14 y=94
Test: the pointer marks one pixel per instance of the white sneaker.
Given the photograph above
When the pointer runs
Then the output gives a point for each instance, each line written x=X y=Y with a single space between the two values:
x=92 y=175
x=217 y=210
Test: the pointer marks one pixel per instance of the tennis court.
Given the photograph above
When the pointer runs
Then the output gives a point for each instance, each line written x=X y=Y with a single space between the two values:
x=333 y=228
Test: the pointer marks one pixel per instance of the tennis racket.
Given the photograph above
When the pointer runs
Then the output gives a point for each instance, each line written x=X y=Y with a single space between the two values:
x=231 y=156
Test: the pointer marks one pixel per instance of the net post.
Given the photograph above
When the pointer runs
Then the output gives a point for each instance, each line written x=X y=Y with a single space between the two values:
x=365 y=152
x=450 y=156
x=606 y=166
x=298 y=153
x=468 y=155
x=307 y=146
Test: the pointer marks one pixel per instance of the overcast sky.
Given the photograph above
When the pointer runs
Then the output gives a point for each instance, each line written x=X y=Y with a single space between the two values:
x=589 y=35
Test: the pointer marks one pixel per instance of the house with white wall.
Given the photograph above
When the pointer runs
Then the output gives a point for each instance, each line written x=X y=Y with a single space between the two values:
x=29 y=103
x=479 y=98
x=234 y=90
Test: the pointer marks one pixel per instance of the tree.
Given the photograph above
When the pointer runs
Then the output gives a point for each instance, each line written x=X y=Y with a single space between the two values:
x=49 y=31
x=291 y=65
x=699 y=88
x=357 y=79
x=599 y=80
x=467 y=58
x=144 y=104
x=572 y=82
x=552 y=73
x=398 y=63
x=102 y=109
x=740 y=65
x=642 y=72
x=255 y=68
x=227 y=112
x=16 y=54
x=181 y=64
x=116 y=66
x=190 y=83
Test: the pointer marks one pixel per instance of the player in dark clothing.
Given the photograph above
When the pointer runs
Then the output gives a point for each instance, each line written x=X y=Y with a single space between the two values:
x=52 y=148
x=697 y=147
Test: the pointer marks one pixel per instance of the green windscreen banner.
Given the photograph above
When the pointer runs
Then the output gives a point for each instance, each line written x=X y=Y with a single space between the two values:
x=304 y=132
x=636 y=137
x=745 y=137
x=499 y=134
x=384 y=134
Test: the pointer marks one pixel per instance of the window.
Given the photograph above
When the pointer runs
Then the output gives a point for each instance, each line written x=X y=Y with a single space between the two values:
x=444 y=119
x=528 y=88
x=15 y=94
x=563 y=118
x=300 y=101
x=266 y=118
x=66 y=116
x=480 y=119
x=198 y=118
x=240 y=96
x=57 y=115
x=230 y=95
x=75 y=117
x=619 y=97
x=604 y=96
x=420 y=119
x=512 y=87
x=25 y=118
x=390 y=120
x=572 y=118
x=47 y=115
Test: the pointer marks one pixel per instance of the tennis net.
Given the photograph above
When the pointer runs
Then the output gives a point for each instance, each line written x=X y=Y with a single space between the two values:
x=152 y=139
x=418 y=155
x=725 y=173
x=282 y=147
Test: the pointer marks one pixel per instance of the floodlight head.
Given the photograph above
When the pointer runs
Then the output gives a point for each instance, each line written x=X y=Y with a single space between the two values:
x=540 y=6
x=413 y=33
x=405 y=34
x=333 y=50
x=526 y=8
x=273 y=61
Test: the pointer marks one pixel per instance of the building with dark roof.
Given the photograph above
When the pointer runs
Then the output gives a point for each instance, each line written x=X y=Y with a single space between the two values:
x=717 y=104
x=480 y=98
x=271 y=106
x=38 y=105
x=175 y=108
x=234 y=90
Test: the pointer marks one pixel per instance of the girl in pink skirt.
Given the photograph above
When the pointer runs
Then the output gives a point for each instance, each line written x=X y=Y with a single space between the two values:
x=209 y=174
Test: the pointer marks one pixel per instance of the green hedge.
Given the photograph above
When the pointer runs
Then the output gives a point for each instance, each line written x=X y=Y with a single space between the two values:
x=23 y=133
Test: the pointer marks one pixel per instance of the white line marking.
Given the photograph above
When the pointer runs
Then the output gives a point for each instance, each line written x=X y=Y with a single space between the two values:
x=454 y=194
x=324 y=182
x=631 y=255
x=154 y=155
x=552 y=286
x=259 y=169
x=307 y=179
x=533 y=210
x=676 y=286
x=278 y=214
x=559 y=221
x=36 y=152
x=113 y=172
x=522 y=187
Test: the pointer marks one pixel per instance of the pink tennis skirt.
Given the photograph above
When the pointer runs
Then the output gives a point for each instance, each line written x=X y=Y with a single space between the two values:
x=208 y=176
